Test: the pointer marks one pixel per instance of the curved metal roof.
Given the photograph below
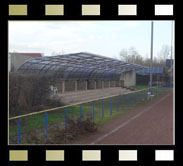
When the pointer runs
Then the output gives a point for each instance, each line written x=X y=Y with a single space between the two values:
x=78 y=66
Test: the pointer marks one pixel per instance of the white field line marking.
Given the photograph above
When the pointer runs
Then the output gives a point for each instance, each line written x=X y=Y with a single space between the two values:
x=128 y=121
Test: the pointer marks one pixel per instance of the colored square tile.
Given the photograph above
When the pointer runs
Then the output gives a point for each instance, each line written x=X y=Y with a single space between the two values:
x=91 y=155
x=127 y=155
x=54 y=10
x=164 y=155
x=90 y=10
x=127 y=10
x=18 y=155
x=163 y=10
x=54 y=155
x=17 y=10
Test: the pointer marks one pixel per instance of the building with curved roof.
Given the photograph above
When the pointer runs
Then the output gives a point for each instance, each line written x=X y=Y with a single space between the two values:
x=83 y=70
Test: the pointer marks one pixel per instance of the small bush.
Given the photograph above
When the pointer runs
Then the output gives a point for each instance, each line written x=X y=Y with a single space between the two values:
x=74 y=130
x=29 y=93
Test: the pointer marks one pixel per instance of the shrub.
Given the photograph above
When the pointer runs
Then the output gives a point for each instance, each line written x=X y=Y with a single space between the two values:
x=29 y=93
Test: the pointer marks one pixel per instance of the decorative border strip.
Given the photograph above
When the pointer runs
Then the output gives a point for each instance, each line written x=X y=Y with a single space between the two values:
x=90 y=155
x=91 y=9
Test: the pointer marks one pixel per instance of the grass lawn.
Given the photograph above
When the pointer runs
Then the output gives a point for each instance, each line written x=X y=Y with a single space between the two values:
x=139 y=87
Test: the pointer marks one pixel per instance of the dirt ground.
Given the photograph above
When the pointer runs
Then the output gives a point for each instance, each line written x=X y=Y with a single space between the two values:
x=151 y=123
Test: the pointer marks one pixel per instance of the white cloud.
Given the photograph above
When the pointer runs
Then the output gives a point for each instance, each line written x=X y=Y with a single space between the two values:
x=107 y=38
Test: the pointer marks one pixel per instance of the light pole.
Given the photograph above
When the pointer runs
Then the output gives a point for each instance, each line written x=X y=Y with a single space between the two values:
x=171 y=64
x=151 y=63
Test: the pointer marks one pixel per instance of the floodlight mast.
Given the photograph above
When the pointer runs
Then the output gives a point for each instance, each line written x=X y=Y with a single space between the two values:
x=151 y=62
x=171 y=64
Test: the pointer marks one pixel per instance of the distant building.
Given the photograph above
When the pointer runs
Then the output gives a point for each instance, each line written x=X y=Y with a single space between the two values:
x=169 y=63
x=143 y=75
x=155 y=70
x=15 y=60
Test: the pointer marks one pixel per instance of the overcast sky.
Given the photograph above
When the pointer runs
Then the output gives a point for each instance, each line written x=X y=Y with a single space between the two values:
x=106 y=38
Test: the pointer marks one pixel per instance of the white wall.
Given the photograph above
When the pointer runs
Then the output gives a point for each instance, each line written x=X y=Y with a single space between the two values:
x=17 y=60
x=129 y=78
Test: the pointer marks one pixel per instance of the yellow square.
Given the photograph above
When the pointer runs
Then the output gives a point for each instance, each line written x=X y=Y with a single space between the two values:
x=90 y=9
x=15 y=10
x=127 y=155
x=54 y=155
x=127 y=10
x=91 y=155
x=54 y=9
x=18 y=155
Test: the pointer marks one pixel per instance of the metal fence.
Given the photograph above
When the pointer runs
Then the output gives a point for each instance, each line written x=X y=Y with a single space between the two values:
x=96 y=110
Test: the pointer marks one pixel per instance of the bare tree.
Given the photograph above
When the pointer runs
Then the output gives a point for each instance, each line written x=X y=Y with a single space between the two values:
x=164 y=52
x=124 y=55
x=131 y=55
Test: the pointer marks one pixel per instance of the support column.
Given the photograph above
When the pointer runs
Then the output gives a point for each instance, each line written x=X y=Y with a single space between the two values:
x=86 y=85
x=76 y=86
x=120 y=83
x=102 y=84
x=95 y=85
x=63 y=86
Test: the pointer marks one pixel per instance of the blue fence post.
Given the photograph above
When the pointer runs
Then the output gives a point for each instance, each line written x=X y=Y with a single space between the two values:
x=138 y=97
x=102 y=108
x=46 y=125
x=19 y=131
x=135 y=98
x=110 y=106
x=128 y=99
x=132 y=98
x=93 y=111
x=121 y=100
x=125 y=99
x=65 y=115
x=81 y=114
x=117 y=106
x=142 y=96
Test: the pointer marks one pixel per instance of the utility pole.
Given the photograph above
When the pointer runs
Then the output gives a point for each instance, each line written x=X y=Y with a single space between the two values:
x=151 y=63
x=171 y=66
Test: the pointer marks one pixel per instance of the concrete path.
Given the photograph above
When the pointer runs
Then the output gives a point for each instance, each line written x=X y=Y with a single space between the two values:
x=81 y=96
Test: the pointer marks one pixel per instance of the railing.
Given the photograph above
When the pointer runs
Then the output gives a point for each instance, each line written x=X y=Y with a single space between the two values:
x=96 y=110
